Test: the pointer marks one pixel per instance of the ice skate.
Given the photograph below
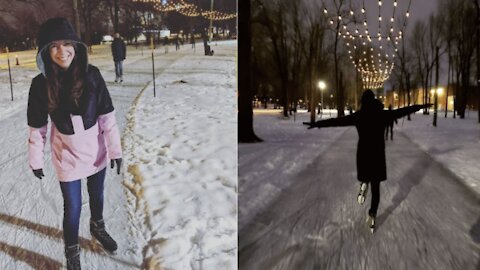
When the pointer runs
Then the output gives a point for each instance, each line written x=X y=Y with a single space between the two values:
x=371 y=223
x=97 y=230
x=362 y=193
x=72 y=253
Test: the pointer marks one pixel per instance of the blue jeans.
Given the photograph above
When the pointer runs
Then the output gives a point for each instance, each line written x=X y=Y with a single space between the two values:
x=118 y=69
x=72 y=204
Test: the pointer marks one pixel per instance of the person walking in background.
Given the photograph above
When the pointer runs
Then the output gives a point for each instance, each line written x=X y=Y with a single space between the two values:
x=83 y=134
x=390 y=125
x=177 y=43
x=206 y=47
x=165 y=43
x=192 y=40
x=119 y=52
x=370 y=122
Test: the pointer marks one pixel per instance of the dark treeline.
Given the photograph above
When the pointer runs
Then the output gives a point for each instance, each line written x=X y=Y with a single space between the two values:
x=294 y=47
x=20 y=20
x=454 y=30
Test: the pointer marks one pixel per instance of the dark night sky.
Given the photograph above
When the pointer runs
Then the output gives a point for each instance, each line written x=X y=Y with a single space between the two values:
x=419 y=10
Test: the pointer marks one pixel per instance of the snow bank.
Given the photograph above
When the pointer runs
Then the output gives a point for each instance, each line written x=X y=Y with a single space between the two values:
x=181 y=159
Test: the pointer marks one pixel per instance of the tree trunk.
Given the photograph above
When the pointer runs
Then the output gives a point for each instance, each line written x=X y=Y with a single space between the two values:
x=115 y=22
x=408 y=94
x=340 y=110
x=457 y=94
x=425 y=92
x=245 y=94
x=448 y=80
x=465 y=86
x=77 y=18
x=312 y=94
x=477 y=8
x=435 y=108
x=285 y=97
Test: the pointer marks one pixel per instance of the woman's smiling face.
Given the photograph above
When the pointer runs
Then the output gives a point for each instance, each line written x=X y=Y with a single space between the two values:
x=62 y=53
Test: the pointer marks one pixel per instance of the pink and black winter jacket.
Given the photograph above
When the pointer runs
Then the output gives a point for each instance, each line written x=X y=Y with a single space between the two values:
x=82 y=138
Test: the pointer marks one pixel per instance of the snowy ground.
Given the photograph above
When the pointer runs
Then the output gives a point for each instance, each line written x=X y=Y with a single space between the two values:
x=297 y=197
x=174 y=206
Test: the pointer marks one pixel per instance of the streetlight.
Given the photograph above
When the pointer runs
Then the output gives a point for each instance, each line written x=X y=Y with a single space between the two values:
x=322 y=86
x=440 y=91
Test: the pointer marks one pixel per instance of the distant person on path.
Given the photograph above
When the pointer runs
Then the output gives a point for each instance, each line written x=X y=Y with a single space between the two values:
x=165 y=43
x=119 y=52
x=206 y=47
x=177 y=43
x=192 y=40
x=389 y=127
x=83 y=136
x=370 y=122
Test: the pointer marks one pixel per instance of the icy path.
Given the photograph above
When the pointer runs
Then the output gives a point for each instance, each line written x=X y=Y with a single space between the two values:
x=427 y=218
x=31 y=210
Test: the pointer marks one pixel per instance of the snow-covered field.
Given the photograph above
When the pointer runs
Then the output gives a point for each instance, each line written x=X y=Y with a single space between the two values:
x=455 y=143
x=174 y=206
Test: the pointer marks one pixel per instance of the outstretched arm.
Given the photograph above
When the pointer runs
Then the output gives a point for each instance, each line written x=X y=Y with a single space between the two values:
x=348 y=120
x=399 y=113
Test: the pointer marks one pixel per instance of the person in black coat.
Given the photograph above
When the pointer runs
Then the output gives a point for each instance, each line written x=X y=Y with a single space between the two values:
x=177 y=43
x=165 y=43
x=389 y=127
x=119 y=53
x=192 y=40
x=370 y=122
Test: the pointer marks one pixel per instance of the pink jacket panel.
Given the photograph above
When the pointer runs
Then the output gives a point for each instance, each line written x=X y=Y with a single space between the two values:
x=82 y=154
x=108 y=125
x=36 y=145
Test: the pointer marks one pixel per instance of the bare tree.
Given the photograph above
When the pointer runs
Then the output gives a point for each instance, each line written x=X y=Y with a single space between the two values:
x=476 y=3
x=465 y=45
x=245 y=110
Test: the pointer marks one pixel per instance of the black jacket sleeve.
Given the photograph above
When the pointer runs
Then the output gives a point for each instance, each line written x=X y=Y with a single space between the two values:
x=37 y=113
x=104 y=101
x=349 y=120
x=399 y=113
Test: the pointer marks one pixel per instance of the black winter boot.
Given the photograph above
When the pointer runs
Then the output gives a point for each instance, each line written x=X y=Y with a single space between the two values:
x=73 y=257
x=97 y=229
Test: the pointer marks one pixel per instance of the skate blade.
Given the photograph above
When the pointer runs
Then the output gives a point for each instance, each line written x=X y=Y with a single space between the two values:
x=372 y=230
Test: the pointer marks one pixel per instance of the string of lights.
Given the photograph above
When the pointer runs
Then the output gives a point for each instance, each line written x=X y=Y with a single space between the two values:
x=188 y=9
x=380 y=63
x=170 y=6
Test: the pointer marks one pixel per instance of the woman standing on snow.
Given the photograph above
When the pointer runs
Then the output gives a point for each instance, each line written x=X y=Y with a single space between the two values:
x=84 y=133
x=370 y=122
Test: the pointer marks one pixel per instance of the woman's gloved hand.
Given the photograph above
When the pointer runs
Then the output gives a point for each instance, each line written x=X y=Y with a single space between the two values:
x=119 y=164
x=38 y=173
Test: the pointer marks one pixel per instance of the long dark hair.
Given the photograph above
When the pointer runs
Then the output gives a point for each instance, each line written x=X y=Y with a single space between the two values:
x=72 y=79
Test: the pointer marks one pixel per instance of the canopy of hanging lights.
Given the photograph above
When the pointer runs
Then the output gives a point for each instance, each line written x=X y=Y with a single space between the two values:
x=371 y=55
x=188 y=9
